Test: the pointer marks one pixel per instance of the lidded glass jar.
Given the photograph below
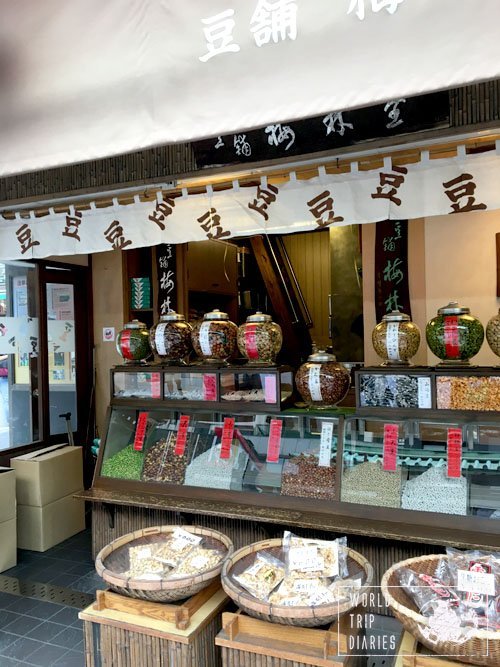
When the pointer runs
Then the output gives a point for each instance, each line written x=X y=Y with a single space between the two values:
x=454 y=335
x=214 y=338
x=170 y=339
x=322 y=381
x=493 y=334
x=260 y=339
x=132 y=343
x=396 y=339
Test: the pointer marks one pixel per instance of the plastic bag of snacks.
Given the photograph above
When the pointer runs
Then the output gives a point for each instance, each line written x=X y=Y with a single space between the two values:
x=306 y=557
x=427 y=590
x=199 y=559
x=143 y=564
x=262 y=577
x=309 y=592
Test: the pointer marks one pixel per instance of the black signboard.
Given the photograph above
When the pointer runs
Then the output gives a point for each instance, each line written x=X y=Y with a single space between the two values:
x=167 y=279
x=391 y=268
x=327 y=132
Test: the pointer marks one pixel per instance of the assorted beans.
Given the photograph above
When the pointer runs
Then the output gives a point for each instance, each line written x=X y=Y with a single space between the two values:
x=468 y=393
x=405 y=345
x=214 y=340
x=433 y=491
x=303 y=477
x=260 y=342
x=126 y=464
x=368 y=484
x=323 y=385
x=455 y=340
x=162 y=464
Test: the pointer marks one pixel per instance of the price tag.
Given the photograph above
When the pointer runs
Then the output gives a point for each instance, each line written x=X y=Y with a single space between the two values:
x=160 y=339
x=454 y=452
x=145 y=552
x=391 y=434
x=206 y=348
x=209 y=387
x=251 y=341
x=227 y=438
x=183 y=538
x=480 y=583
x=314 y=383
x=270 y=388
x=182 y=434
x=451 y=339
x=325 y=446
x=125 y=338
x=392 y=341
x=274 y=441
x=140 y=431
x=305 y=585
x=199 y=562
x=155 y=385
x=305 y=559
x=424 y=393
x=323 y=597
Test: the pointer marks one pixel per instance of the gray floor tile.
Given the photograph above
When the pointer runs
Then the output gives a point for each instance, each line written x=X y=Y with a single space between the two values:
x=66 y=616
x=22 y=625
x=64 y=580
x=6 y=639
x=69 y=638
x=10 y=662
x=44 y=610
x=7 y=617
x=46 y=631
x=21 y=648
x=23 y=605
x=47 y=655
x=71 y=659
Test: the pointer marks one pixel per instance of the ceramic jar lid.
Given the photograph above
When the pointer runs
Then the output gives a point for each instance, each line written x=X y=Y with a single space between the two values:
x=396 y=316
x=321 y=357
x=259 y=317
x=172 y=316
x=216 y=314
x=135 y=324
x=453 y=308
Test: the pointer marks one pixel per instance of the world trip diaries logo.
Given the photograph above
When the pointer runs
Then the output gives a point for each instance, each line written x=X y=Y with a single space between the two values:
x=362 y=629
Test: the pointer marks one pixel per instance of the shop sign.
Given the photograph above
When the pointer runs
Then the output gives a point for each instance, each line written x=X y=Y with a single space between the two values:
x=391 y=269
x=166 y=272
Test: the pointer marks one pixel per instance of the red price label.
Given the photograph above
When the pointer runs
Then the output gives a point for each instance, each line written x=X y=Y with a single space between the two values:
x=227 y=438
x=182 y=434
x=125 y=346
x=454 y=449
x=391 y=434
x=451 y=340
x=274 y=442
x=155 y=385
x=140 y=431
x=251 y=341
x=209 y=387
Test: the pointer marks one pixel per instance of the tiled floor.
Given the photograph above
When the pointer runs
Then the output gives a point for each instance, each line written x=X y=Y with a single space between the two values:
x=37 y=632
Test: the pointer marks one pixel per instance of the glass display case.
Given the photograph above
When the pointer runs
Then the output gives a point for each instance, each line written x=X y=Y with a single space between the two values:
x=143 y=384
x=257 y=386
x=190 y=385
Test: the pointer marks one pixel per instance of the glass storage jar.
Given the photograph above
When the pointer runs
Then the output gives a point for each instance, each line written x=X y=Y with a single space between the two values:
x=260 y=339
x=322 y=381
x=214 y=337
x=454 y=335
x=132 y=343
x=493 y=334
x=170 y=339
x=396 y=339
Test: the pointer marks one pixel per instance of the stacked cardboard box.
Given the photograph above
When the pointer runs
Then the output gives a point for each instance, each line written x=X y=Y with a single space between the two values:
x=8 y=539
x=47 y=512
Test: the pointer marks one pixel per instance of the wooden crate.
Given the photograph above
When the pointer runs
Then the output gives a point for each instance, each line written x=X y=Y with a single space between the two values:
x=249 y=642
x=123 y=632
x=413 y=654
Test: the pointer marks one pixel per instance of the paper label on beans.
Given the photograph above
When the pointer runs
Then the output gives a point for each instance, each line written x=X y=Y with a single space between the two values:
x=209 y=387
x=143 y=553
x=251 y=341
x=160 y=339
x=140 y=431
x=270 y=388
x=314 y=383
x=227 y=438
x=305 y=586
x=182 y=434
x=454 y=452
x=291 y=602
x=481 y=583
x=391 y=434
x=206 y=348
x=392 y=341
x=451 y=339
x=182 y=538
x=424 y=393
x=325 y=446
x=274 y=441
x=305 y=559
x=323 y=597
x=199 y=562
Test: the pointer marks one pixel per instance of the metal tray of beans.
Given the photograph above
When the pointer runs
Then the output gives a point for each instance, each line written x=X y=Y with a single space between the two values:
x=164 y=563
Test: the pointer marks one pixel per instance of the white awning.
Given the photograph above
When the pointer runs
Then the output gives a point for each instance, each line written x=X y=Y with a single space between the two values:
x=88 y=79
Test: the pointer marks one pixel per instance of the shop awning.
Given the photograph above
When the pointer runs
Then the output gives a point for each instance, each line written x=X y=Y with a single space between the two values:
x=84 y=80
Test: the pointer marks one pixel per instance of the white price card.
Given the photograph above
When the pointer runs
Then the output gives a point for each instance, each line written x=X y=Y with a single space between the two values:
x=481 y=583
x=305 y=586
x=314 y=383
x=182 y=538
x=206 y=348
x=199 y=562
x=392 y=341
x=323 y=597
x=424 y=393
x=144 y=553
x=325 y=446
x=305 y=559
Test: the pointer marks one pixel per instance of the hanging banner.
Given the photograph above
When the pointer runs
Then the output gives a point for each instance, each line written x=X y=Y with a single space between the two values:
x=451 y=186
x=392 y=290
x=167 y=278
x=101 y=79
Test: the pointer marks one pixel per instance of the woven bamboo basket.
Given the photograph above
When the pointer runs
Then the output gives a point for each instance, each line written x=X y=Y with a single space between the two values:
x=481 y=648
x=113 y=559
x=306 y=617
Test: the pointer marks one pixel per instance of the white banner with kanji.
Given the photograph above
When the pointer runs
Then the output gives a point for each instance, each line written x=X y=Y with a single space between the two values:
x=88 y=79
x=431 y=187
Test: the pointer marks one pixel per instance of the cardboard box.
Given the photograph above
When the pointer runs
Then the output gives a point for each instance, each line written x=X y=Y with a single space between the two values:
x=7 y=494
x=8 y=540
x=48 y=474
x=40 y=528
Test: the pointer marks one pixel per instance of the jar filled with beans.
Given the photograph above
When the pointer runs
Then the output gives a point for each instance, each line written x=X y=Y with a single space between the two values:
x=454 y=335
x=214 y=338
x=260 y=339
x=170 y=339
x=132 y=343
x=396 y=339
x=322 y=381
x=493 y=334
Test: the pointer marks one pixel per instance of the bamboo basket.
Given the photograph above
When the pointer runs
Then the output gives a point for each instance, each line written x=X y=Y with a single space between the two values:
x=113 y=558
x=483 y=646
x=307 y=617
